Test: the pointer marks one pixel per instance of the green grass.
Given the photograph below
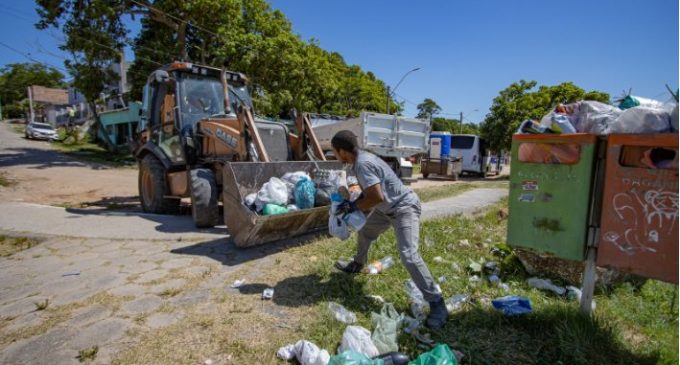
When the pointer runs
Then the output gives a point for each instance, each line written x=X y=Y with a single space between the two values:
x=444 y=191
x=91 y=152
x=11 y=245
x=629 y=326
x=5 y=181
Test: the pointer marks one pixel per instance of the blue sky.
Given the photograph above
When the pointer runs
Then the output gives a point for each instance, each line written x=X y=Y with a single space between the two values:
x=467 y=50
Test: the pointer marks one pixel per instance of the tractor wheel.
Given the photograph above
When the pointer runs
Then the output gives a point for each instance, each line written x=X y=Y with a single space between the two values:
x=204 y=196
x=153 y=188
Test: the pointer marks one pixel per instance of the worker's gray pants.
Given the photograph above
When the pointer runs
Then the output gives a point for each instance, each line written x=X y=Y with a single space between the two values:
x=406 y=223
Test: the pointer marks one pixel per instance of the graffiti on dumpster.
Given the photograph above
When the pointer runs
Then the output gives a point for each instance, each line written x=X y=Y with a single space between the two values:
x=645 y=215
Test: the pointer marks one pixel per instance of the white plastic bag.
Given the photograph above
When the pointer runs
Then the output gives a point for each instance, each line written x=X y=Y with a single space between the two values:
x=341 y=313
x=249 y=200
x=336 y=226
x=357 y=338
x=594 y=117
x=641 y=120
x=305 y=352
x=291 y=179
x=273 y=192
x=544 y=284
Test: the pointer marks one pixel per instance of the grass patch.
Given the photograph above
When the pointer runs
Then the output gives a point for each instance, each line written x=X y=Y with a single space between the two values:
x=19 y=128
x=630 y=326
x=88 y=354
x=170 y=292
x=11 y=245
x=445 y=191
x=91 y=152
x=6 y=181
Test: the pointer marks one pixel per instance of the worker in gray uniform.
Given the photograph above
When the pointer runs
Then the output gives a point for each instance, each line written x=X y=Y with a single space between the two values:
x=390 y=204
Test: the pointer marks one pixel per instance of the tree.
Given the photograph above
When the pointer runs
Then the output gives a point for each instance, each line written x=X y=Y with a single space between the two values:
x=517 y=103
x=428 y=108
x=16 y=77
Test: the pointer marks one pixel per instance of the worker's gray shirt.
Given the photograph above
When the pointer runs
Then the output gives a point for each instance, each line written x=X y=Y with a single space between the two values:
x=371 y=170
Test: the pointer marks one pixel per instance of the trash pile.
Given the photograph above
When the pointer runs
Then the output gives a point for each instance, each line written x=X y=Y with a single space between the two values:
x=298 y=190
x=359 y=346
x=633 y=115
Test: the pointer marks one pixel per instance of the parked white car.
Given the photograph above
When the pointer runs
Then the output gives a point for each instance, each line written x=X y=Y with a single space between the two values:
x=41 y=131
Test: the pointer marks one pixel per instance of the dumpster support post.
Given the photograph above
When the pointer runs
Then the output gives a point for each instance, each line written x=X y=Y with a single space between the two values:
x=588 y=282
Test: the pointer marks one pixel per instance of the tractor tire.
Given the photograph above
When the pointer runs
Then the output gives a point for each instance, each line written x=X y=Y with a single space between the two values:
x=204 y=195
x=153 y=188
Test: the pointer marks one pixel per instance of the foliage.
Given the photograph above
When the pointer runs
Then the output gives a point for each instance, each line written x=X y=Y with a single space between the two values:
x=453 y=126
x=428 y=108
x=16 y=77
x=517 y=103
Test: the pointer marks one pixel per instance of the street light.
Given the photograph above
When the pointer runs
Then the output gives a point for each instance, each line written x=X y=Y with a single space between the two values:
x=389 y=93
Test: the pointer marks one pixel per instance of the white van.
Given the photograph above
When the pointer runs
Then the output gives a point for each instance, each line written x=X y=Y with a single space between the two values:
x=476 y=158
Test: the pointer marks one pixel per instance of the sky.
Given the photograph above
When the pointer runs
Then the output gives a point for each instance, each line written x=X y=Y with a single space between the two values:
x=467 y=51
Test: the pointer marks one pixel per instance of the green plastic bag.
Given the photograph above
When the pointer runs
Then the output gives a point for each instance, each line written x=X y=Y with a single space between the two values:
x=440 y=355
x=353 y=358
x=386 y=327
x=271 y=209
x=629 y=102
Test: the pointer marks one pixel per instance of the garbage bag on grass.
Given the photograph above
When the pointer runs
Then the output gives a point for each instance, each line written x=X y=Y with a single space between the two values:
x=439 y=355
x=512 y=305
x=385 y=328
x=357 y=338
x=305 y=352
x=353 y=358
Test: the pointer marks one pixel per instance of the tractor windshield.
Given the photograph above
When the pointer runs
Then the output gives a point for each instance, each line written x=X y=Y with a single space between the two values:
x=203 y=97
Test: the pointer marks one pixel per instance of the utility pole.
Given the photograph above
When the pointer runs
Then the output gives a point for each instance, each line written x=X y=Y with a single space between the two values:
x=30 y=103
x=388 y=99
x=461 y=122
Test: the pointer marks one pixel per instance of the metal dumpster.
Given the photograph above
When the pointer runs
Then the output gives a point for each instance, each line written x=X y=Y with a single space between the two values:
x=639 y=228
x=550 y=193
x=441 y=167
x=248 y=228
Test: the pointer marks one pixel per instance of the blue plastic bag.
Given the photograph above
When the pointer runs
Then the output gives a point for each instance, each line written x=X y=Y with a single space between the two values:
x=304 y=193
x=512 y=305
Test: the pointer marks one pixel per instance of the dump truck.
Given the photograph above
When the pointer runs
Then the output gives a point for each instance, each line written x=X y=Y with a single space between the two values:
x=393 y=138
x=197 y=138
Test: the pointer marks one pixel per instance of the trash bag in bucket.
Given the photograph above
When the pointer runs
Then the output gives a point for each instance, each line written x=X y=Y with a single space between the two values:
x=304 y=193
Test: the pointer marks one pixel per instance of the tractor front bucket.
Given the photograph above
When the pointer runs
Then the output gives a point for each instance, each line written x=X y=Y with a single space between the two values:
x=246 y=227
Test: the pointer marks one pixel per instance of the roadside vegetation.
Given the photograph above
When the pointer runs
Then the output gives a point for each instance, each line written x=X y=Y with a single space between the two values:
x=630 y=325
x=5 y=181
x=82 y=149
x=10 y=245
x=446 y=191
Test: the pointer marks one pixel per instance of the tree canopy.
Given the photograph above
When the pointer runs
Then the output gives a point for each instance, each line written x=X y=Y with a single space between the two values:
x=15 y=77
x=518 y=102
x=245 y=36
x=428 y=108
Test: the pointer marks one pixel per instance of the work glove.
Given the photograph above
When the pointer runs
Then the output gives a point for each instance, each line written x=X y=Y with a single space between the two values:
x=346 y=207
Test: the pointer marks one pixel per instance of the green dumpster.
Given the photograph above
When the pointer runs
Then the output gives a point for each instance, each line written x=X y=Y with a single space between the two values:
x=550 y=193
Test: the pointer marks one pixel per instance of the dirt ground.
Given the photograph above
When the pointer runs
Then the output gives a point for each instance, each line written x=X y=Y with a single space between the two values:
x=39 y=174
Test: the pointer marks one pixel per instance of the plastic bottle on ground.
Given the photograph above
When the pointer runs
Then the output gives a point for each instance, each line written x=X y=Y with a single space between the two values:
x=341 y=313
x=379 y=266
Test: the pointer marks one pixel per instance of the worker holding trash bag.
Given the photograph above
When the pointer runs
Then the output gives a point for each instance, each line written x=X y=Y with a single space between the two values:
x=390 y=203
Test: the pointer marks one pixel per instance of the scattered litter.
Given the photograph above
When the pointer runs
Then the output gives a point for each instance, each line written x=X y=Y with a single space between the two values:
x=208 y=362
x=464 y=242
x=490 y=265
x=358 y=339
x=268 y=293
x=411 y=324
x=575 y=293
x=442 y=279
x=341 y=313
x=418 y=303
x=376 y=298
x=385 y=328
x=379 y=266
x=353 y=358
x=456 y=302
x=439 y=355
x=475 y=266
x=455 y=266
x=305 y=352
x=423 y=338
x=504 y=286
x=438 y=259
x=428 y=242
x=474 y=279
x=71 y=273
x=488 y=240
x=494 y=279
x=512 y=305
x=238 y=283
x=545 y=284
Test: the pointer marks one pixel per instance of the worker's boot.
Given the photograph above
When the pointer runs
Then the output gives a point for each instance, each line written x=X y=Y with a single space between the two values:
x=438 y=315
x=350 y=267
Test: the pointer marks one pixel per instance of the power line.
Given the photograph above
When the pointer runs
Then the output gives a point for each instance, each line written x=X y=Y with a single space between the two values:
x=30 y=58
x=175 y=18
